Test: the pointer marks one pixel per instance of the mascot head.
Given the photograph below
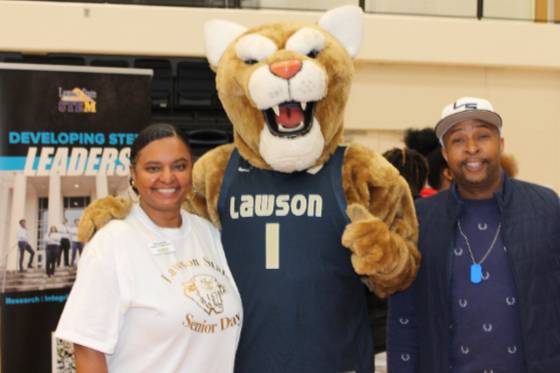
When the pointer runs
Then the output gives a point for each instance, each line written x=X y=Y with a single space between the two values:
x=284 y=86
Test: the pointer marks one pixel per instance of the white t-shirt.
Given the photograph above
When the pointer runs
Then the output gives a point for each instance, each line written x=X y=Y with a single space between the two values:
x=63 y=230
x=154 y=299
x=53 y=238
x=73 y=230
x=21 y=233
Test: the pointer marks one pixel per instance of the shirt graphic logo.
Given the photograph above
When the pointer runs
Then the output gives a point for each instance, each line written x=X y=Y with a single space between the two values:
x=250 y=205
x=206 y=292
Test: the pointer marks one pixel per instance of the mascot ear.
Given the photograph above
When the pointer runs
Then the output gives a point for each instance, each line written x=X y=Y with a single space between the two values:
x=218 y=35
x=346 y=25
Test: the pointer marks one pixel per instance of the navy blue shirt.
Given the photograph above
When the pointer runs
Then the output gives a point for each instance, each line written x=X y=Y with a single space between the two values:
x=485 y=329
x=305 y=308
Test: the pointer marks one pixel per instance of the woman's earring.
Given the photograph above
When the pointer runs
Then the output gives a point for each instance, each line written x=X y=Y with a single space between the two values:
x=134 y=194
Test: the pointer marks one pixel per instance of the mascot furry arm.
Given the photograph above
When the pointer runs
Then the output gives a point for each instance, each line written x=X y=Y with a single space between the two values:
x=284 y=87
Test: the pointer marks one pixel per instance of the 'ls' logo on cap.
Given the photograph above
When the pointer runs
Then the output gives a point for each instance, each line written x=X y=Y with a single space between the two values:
x=467 y=105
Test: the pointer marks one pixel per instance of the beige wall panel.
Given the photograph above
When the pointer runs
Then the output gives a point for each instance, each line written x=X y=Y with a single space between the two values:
x=528 y=101
x=510 y=9
x=302 y=5
x=458 y=8
x=378 y=140
x=399 y=96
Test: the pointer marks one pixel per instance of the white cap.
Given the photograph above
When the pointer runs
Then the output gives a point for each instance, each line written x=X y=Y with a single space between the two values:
x=466 y=108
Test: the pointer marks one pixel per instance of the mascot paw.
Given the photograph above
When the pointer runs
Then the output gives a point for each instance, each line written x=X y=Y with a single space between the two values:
x=375 y=254
x=366 y=236
x=99 y=213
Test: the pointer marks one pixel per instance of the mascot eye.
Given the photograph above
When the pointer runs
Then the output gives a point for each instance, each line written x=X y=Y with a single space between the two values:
x=250 y=61
x=313 y=53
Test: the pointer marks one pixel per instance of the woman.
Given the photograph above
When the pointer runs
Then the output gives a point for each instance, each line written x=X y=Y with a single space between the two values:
x=154 y=292
x=53 y=249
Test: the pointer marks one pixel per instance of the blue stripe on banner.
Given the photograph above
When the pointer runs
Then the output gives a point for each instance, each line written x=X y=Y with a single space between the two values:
x=17 y=163
x=12 y=163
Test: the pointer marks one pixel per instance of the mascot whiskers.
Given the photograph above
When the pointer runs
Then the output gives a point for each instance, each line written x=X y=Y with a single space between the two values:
x=305 y=221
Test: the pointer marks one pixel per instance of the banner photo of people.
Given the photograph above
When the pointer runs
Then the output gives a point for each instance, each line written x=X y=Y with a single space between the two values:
x=65 y=136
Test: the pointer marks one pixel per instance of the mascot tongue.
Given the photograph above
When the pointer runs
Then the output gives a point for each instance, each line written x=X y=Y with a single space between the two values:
x=290 y=116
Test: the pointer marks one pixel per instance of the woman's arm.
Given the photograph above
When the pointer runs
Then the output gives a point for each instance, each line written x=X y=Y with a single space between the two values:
x=89 y=360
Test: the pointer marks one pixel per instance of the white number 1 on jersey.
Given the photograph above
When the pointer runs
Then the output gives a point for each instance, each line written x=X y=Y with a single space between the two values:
x=272 y=245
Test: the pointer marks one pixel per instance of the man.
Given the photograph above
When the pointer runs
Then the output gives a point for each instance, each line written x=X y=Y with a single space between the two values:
x=487 y=296
x=64 y=243
x=77 y=246
x=23 y=244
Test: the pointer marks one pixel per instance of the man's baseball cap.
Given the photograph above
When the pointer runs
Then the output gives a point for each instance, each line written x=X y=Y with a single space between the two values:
x=466 y=108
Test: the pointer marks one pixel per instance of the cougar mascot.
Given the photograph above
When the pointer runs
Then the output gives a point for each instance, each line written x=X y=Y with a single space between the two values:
x=305 y=221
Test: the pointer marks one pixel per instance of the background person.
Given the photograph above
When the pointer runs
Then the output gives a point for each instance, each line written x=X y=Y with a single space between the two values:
x=426 y=143
x=64 y=231
x=486 y=296
x=23 y=244
x=53 y=250
x=411 y=165
x=153 y=291
x=77 y=245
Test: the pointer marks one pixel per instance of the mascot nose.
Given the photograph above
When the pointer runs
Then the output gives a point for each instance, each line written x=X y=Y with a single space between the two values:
x=285 y=69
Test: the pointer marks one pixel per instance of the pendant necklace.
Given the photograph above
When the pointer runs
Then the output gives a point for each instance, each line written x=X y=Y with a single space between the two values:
x=476 y=268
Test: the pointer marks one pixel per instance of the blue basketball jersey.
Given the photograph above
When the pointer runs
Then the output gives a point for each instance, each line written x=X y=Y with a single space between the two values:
x=305 y=308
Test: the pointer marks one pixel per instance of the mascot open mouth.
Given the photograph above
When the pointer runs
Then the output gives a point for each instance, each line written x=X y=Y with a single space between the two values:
x=290 y=119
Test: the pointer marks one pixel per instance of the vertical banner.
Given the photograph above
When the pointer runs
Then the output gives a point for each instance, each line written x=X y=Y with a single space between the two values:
x=65 y=136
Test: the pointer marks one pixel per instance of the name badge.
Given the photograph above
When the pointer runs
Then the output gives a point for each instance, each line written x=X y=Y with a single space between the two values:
x=162 y=248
